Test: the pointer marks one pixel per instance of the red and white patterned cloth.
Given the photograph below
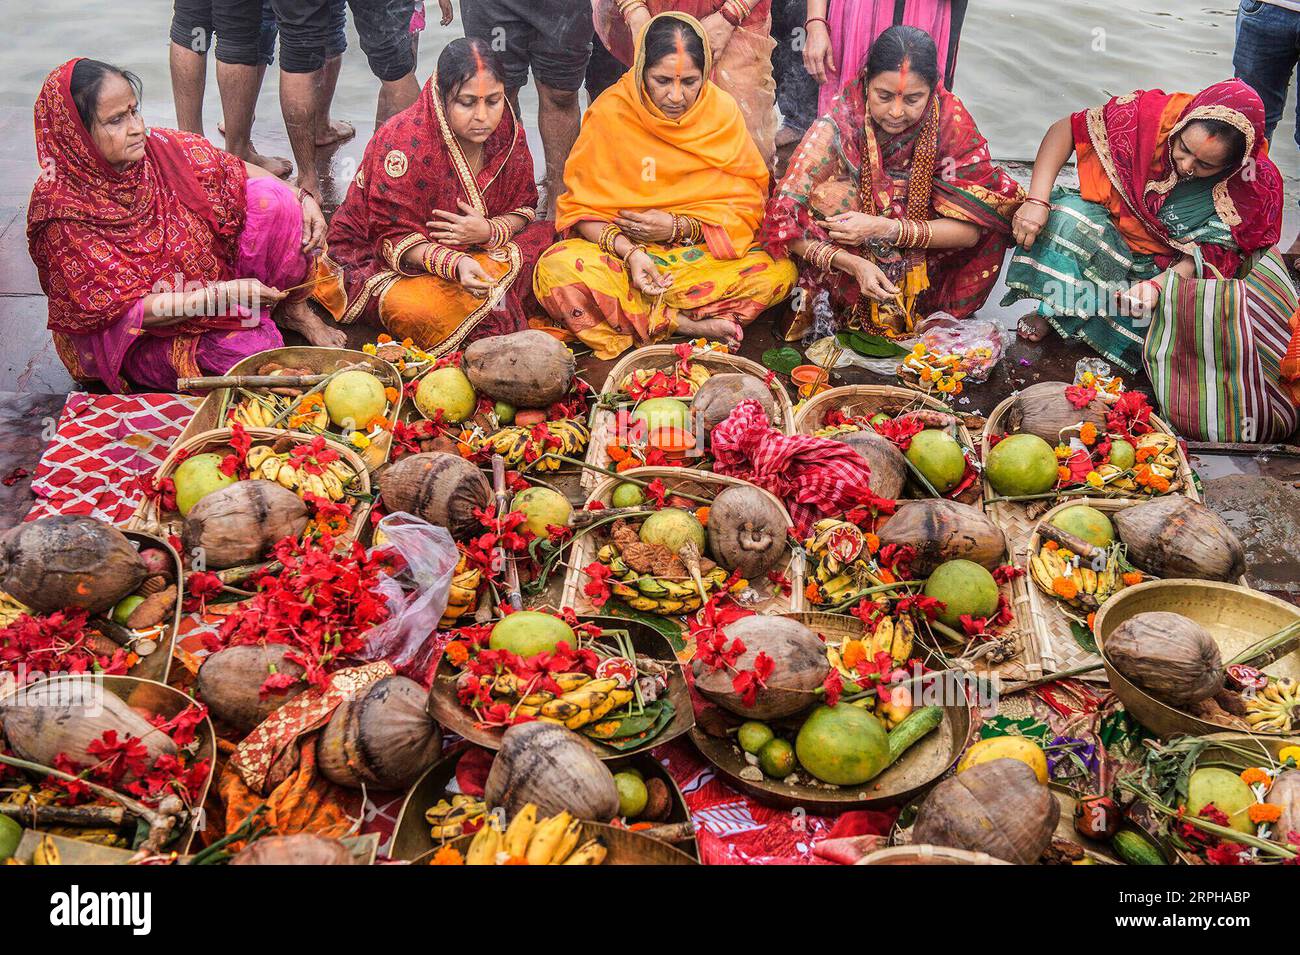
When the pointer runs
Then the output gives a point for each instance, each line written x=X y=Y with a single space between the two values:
x=813 y=477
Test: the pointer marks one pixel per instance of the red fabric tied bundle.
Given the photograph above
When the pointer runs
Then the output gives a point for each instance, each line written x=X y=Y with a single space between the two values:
x=813 y=477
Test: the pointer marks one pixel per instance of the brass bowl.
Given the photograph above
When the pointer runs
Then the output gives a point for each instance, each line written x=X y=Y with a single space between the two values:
x=1237 y=617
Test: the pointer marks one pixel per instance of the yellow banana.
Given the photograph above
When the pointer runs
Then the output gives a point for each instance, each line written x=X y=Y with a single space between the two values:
x=570 y=681
x=520 y=831
x=484 y=846
x=883 y=639
x=560 y=710
x=46 y=852
x=591 y=853
x=546 y=836
x=904 y=636
x=568 y=839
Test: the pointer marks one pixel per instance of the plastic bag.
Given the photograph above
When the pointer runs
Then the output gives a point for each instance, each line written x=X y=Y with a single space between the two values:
x=416 y=595
x=942 y=332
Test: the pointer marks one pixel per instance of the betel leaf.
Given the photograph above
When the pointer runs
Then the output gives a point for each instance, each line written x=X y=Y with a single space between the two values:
x=1083 y=636
x=870 y=346
x=671 y=631
x=635 y=731
x=782 y=360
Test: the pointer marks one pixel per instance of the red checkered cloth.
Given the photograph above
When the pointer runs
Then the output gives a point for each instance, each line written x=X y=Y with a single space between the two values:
x=814 y=477
x=101 y=447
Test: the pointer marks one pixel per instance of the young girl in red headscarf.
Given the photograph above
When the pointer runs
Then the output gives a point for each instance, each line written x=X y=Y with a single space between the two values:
x=1164 y=258
x=161 y=255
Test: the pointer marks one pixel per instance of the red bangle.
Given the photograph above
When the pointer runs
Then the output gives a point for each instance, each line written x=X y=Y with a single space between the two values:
x=1038 y=202
x=816 y=20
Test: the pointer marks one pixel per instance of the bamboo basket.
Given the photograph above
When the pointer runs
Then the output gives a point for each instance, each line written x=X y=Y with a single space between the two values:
x=211 y=414
x=1019 y=518
x=892 y=400
x=660 y=358
x=705 y=484
x=157 y=665
x=1236 y=618
x=1060 y=651
x=150 y=519
x=158 y=699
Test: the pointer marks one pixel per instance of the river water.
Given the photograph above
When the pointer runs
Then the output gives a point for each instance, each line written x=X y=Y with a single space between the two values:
x=1022 y=64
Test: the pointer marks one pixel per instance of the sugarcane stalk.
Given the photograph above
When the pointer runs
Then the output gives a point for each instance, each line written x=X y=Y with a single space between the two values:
x=37 y=815
x=1070 y=542
x=1271 y=648
x=214 y=382
x=879 y=589
x=136 y=808
x=1053 y=677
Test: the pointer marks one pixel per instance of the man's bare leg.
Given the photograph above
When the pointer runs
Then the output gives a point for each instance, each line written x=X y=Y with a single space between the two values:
x=298 y=104
x=189 y=80
x=330 y=131
x=559 y=119
x=239 y=86
x=395 y=96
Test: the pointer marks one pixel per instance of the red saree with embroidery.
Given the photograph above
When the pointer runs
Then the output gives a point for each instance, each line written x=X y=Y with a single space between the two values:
x=412 y=166
x=938 y=168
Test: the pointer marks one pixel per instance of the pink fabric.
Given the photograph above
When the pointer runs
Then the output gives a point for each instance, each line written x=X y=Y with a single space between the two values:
x=270 y=249
x=854 y=26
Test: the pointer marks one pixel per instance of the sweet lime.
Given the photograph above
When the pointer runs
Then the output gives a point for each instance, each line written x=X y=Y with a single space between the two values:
x=753 y=736
x=632 y=794
x=627 y=494
x=776 y=758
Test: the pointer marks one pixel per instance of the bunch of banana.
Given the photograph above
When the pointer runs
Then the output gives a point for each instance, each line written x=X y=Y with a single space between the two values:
x=1117 y=479
x=581 y=700
x=1082 y=586
x=696 y=376
x=652 y=594
x=1165 y=461
x=838 y=549
x=11 y=610
x=252 y=413
x=447 y=819
x=513 y=443
x=264 y=463
x=1276 y=707
x=552 y=841
x=463 y=594
x=894 y=636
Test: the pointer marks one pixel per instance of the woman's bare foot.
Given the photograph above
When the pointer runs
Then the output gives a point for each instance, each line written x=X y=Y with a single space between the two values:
x=725 y=330
x=1033 y=327
x=300 y=317
x=334 y=131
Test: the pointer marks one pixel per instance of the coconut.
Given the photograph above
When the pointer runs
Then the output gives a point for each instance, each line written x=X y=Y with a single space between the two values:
x=1043 y=409
x=887 y=463
x=718 y=397
x=998 y=807
x=230 y=682
x=528 y=369
x=964 y=587
x=1285 y=792
x=941 y=530
x=938 y=456
x=198 y=476
x=241 y=523
x=42 y=720
x=747 y=530
x=62 y=562
x=1173 y=536
x=302 y=848
x=1168 y=656
x=799 y=667
x=543 y=507
x=553 y=768
x=441 y=488
x=1021 y=464
x=381 y=738
x=446 y=391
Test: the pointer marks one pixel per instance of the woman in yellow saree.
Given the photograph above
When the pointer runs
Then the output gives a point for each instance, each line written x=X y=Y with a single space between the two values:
x=664 y=193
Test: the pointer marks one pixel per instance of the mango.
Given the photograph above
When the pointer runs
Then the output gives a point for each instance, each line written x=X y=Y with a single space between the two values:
x=843 y=745
x=530 y=632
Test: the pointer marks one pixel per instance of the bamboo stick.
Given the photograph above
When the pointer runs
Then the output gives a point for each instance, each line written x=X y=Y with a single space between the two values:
x=36 y=816
x=214 y=382
x=624 y=477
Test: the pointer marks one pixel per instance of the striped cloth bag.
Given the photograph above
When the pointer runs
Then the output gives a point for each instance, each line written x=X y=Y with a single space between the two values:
x=1214 y=354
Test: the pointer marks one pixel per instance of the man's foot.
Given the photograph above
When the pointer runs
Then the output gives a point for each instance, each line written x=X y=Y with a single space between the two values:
x=1033 y=327
x=335 y=131
x=300 y=317
x=725 y=330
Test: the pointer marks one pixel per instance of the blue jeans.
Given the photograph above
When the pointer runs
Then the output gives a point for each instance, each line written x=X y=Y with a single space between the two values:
x=1266 y=55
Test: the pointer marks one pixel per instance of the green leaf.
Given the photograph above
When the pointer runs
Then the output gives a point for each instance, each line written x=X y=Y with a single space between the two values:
x=782 y=360
x=871 y=346
x=1083 y=636
x=671 y=631
x=635 y=731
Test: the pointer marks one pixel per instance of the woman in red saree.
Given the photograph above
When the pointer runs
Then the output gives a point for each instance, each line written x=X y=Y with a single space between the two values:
x=891 y=199
x=436 y=239
x=161 y=255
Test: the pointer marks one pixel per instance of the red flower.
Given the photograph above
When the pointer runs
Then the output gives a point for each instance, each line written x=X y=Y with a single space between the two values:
x=199 y=587
x=834 y=686
x=117 y=757
x=1079 y=396
x=781 y=582
x=597 y=586
x=655 y=492
x=1130 y=415
x=869 y=612
x=748 y=682
x=1005 y=573
x=900 y=430
x=1079 y=464
x=929 y=607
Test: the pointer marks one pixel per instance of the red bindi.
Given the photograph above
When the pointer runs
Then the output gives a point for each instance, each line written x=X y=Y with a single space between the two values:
x=903 y=69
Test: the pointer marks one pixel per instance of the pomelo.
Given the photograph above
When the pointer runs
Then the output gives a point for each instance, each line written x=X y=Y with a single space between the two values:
x=673 y=528
x=938 y=456
x=627 y=494
x=964 y=587
x=446 y=390
x=354 y=399
x=530 y=632
x=1021 y=464
x=843 y=745
x=1226 y=790
x=1086 y=523
x=662 y=414
x=1122 y=454
x=197 y=477
x=542 y=506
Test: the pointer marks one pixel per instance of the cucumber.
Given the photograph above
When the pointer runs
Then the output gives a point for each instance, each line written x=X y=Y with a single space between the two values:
x=915 y=725
x=1135 y=849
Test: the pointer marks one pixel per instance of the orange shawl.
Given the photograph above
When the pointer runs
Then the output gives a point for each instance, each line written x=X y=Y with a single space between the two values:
x=704 y=165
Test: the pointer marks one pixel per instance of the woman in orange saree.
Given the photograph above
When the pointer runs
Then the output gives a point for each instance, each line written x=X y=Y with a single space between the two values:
x=665 y=190
x=436 y=240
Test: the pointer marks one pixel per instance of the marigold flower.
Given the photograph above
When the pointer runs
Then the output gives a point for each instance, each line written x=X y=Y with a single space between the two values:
x=1262 y=812
x=854 y=653
x=359 y=440
x=873 y=543
x=311 y=401
x=1289 y=753
x=1088 y=433
x=1065 y=587
x=384 y=338
x=812 y=593
x=1094 y=478
x=887 y=576
x=1159 y=484
x=369 y=348
x=457 y=653
x=447 y=856
x=1254 y=776
x=1092 y=620
x=408 y=342
x=1132 y=578
x=1051 y=545
x=926 y=374
x=1063 y=474
x=1144 y=454
x=1062 y=452
x=919 y=349
x=391 y=394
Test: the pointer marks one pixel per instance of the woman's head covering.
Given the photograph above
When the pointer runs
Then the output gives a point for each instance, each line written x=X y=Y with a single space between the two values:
x=103 y=238
x=630 y=156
